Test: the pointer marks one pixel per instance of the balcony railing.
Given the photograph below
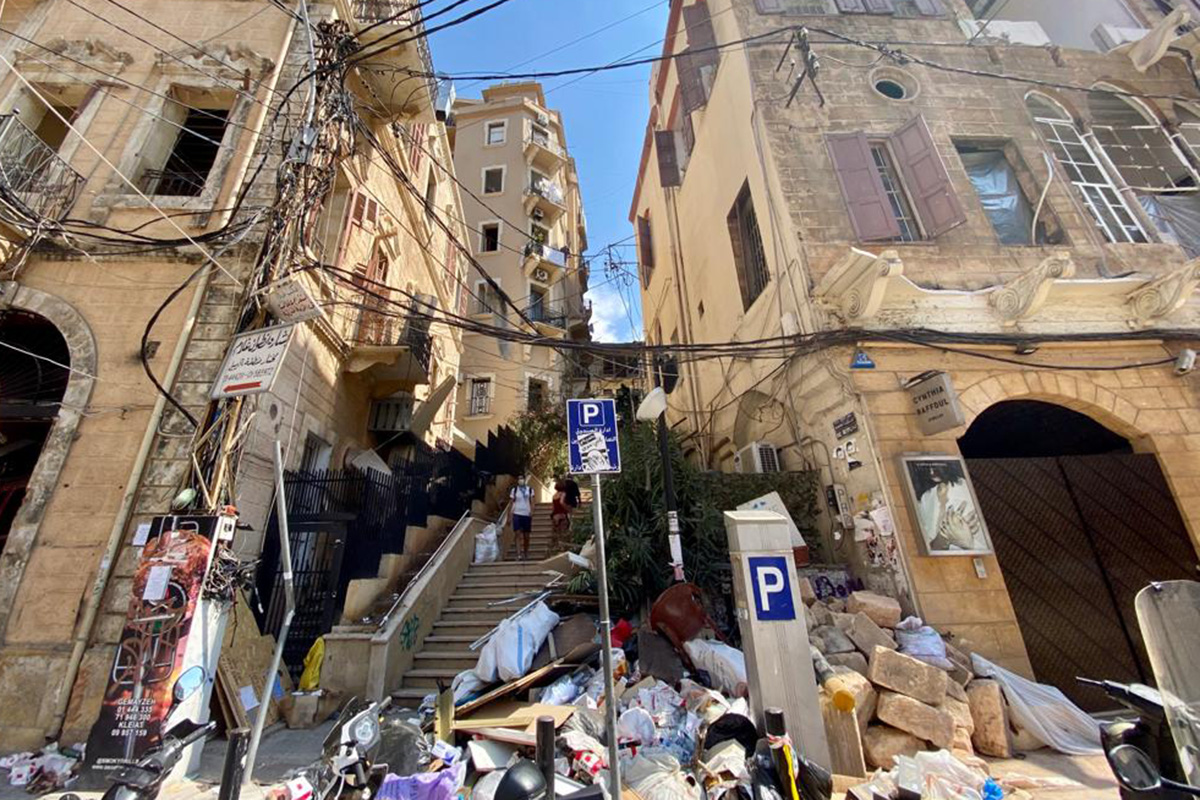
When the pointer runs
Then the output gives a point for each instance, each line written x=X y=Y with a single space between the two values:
x=546 y=314
x=393 y=15
x=546 y=253
x=34 y=173
x=548 y=190
x=378 y=330
x=175 y=182
x=396 y=12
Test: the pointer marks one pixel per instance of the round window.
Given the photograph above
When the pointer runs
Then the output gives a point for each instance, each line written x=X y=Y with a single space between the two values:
x=891 y=89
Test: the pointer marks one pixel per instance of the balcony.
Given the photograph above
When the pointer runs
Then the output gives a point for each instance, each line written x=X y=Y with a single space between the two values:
x=545 y=201
x=550 y=321
x=543 y=154
x=391 y=354
x=33 y=172
x=543 y=263
x=385 y=23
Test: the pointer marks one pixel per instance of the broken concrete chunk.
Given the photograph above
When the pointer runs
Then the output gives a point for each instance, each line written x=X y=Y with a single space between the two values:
x=961 y=672
x=854 y=661
x=960 y=711
x=986 y=700
x=830 y=640
x=820 y=613
x=920 y=719
x=962 y=741
x=836 y=604
x=866 y=635
x=843 y=621
x=908 y=676
x=806 y=592
x=881 y=745
x=883 y=610
x=955 y=689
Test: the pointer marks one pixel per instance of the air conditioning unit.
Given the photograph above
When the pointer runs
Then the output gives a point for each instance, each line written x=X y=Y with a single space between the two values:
x=539 y=214
x=541 y=274
x=757 y=457
x=543 y=119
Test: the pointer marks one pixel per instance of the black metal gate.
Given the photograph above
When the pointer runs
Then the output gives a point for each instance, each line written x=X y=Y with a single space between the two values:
x=1077 y=537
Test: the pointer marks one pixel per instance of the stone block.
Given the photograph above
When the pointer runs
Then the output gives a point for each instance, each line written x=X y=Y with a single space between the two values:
x=986 y=701
x=961 y=672
x=866 y=635
x=836 y=604
x=961 y=711
x=865 y=696
x=882 y=743
x=955 y=689
x=806 y=592
x=821 y=614
x=922 y=720
x=962 y=742
x=830 y=640
x=908 y=676
x=842 y=620
x=883 y=610
x=854 y=661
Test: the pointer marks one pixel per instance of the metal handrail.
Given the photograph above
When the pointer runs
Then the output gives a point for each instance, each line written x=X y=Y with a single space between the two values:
x=546 y=253
x=33 y=172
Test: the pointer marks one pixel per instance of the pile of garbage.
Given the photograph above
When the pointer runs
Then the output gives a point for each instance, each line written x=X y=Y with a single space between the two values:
x=46 y=770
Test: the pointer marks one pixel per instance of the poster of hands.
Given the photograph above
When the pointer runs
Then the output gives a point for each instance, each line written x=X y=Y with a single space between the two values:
x=594 y=450
x=946 y=512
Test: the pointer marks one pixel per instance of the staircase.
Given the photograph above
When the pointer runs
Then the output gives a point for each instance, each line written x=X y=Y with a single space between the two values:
x=467 y=615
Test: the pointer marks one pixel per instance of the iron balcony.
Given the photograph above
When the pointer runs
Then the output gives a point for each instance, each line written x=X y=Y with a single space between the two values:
x=32 y=175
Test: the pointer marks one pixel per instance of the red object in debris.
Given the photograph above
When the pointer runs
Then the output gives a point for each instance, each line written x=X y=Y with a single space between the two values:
x=800 y=555
x=679 y=615
x=621 y=633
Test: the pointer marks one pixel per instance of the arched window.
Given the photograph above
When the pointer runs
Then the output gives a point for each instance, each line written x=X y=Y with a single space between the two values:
x=1078 y=161
x=1137 y=145
x=1189 y=128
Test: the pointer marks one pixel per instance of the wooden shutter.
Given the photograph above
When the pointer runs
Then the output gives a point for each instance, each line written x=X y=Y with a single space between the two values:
x=926 y=178
x=645 y=249
x=852 y=6
x=931 y=8
x=668 y=160
x=880 y=7
x=691 y=82
x=700 y=34
x=866 y=199
x=769 y=6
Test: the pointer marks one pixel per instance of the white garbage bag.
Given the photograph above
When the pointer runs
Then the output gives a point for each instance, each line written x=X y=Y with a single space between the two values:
x=1043 y=711
x=487 y=545
x=724 y=664
x=659 y=777
x=636 y=725
x=509 y=653
x=922 y=643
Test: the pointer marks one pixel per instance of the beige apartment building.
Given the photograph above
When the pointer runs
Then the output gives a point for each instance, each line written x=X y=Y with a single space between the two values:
x=134 y=210
x=525 y=215
x=978 y=256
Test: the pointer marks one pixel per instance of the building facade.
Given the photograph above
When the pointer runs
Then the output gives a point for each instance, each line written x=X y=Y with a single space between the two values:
x=525 y=215
x=971 y=241
x=138 y=176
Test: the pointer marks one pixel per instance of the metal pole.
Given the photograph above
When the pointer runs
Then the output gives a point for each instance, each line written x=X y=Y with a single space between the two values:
x=545 y=753
x=610 y=693
x=235 y=763
x=289 y=596
x=664 y=453
x=776 y=728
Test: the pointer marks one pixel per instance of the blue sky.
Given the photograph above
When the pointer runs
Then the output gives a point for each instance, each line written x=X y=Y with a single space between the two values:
x=605 y=113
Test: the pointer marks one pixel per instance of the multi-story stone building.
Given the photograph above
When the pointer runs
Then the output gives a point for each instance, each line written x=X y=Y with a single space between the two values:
x=135 y=211
x=997 y=193
x=525 y=215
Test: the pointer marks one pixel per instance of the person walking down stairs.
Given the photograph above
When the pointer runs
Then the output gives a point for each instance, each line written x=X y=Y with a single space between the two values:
x=522 y=514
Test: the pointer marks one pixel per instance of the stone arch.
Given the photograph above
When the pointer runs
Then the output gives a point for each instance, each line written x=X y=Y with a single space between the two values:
x=82 y=346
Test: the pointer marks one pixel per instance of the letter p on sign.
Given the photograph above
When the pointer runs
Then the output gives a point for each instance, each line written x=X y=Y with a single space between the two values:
x=592 y=414
x=773 y=600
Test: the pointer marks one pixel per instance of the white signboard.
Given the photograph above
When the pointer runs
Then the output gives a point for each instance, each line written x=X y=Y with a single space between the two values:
x=773 y=502
x=935 y=403
x=253 y=361
x=290 y=300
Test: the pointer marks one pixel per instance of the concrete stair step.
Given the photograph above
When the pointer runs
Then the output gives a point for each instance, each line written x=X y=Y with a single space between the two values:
x=459 y=627
x=409 y=698
x=501 y=566
x=474 y=600
x=428 y=678
x=449 y=641
x=480 y=613
x=446 y=659
x=506 y=588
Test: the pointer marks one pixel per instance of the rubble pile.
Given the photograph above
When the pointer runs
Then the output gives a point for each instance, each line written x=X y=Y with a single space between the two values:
x=47 y=770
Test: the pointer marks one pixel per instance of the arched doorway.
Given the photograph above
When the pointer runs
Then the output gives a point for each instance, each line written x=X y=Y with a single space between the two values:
x=31 y=391
x=1080 y=524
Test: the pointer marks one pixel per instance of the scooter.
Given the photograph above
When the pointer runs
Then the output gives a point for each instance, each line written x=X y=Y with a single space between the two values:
x=350 y=753
x=144 y=780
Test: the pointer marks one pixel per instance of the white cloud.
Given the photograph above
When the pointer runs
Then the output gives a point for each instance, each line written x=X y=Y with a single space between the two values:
x=610 y=316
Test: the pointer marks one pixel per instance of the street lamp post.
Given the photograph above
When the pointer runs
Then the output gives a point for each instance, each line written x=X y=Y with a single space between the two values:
x=666 y=375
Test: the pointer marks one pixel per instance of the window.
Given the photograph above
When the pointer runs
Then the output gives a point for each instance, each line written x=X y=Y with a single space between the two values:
x=1137 y=146
x=1004 y=199
x=749 y=257
x=431 y=186
x=493 y=180
x=645 y=249
x=538 y=305
x=496 y=132
x=1075 y=156
x=481 y=396
x=317 y=454
x=896 y=189
x=1069 y=23
x=539 y=233
x=538 y=393
x=1189 y=128
x=489 y=237
x=365 y=211
x=540 y=135
x=181 y=153
x=51 y=129
x=487 y=300
x=907 y=9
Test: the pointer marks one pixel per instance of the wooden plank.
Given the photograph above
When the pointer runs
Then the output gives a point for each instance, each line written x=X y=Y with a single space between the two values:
x=567 y=663
x=509 y=713
x=443 y=724
x=245 y=656
x=505 y=735
x=845 y=740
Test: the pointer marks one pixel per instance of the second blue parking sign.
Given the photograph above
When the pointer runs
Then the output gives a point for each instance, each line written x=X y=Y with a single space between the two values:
x=592 y=436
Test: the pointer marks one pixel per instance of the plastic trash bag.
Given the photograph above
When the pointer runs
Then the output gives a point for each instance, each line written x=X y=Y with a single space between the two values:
x=425 y=785
x=1043 y=711
x=659 y=777
x=636 y=725
x=725 y=665
x=922 y=643
x=564 y=690
x=487 y=545
x=508 y=655
x=465 y=684
x=310 y=679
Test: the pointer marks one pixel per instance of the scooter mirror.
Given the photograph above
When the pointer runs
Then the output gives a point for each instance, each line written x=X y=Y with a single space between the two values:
x=188 y=683
x=1134 y=769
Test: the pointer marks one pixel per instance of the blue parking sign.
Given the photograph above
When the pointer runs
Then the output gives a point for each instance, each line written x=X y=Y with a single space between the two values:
x=772 y=590
x=592 y=436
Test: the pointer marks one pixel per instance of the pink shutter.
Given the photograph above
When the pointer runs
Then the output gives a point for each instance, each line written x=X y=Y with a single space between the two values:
x=926 y=178
x=668 y=160
x=866 y=199
x=931 y=8
x=700 y=33
x=880 y=7
x=851 y=6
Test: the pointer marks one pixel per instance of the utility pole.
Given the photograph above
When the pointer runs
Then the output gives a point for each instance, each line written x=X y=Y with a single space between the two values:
x=666 y=376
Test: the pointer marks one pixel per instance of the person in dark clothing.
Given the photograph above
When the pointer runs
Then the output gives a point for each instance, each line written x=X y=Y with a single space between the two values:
x=571 y=490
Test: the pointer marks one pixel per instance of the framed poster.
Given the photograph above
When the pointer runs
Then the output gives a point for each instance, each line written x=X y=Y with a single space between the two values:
x=944 y=508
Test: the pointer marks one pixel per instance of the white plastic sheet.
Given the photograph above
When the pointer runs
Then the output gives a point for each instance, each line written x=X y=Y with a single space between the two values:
x=922 y=642
x=487 y=545
x=509 y=653
x=1043 y=711
x=1000 y=194
x=1177 y=216
x=659 y=777
x=724 y=664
